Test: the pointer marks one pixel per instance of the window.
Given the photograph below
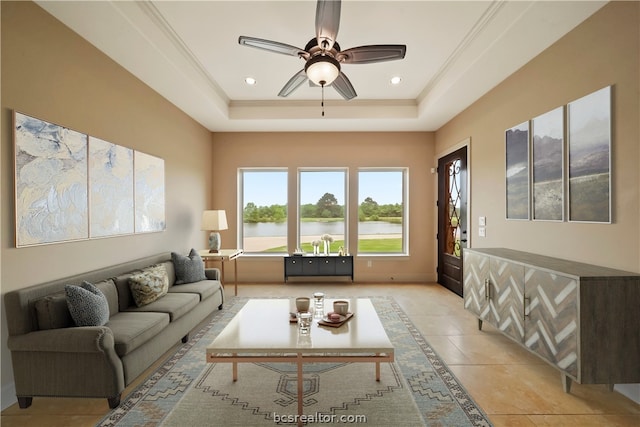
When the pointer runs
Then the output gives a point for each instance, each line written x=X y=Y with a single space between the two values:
x=381 y=211
x=322 y=195
x=322 y=210
x=263 y=203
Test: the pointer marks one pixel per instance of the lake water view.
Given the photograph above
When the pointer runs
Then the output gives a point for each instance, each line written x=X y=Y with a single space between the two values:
x=317 y=228
x=265 y=235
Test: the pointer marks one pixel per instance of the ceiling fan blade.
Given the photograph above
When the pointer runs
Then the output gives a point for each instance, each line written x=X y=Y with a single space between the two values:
x=294 y=83
x=327 y=22
x=373 y=53
x=271 y=46
x=343 y=86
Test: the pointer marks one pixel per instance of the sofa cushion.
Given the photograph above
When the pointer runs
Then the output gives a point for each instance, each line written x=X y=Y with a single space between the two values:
x=131 y=330
x=87 y=304
x=171 y=272
x=204 y=288
x=149 y=284
x=174 y=304
x=189 y=268
x=52 y=312
x=109 y=290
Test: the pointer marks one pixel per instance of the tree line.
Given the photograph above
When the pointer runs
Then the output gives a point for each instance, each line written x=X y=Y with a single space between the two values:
x=326 y=207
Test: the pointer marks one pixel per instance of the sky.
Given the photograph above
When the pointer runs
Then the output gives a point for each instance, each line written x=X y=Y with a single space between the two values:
x=268 y=188
x=550 y=124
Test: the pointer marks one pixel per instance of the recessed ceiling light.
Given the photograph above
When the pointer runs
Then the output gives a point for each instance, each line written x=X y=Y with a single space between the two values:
x=396 y=80
x=250 y=81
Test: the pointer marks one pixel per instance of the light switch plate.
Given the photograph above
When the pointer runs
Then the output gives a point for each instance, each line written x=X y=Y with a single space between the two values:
x=482 y=221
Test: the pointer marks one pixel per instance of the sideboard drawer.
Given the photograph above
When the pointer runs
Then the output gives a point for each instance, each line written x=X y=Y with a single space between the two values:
x=293 y=266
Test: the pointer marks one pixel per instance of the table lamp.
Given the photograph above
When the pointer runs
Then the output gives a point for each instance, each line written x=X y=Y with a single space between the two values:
x=214 y=221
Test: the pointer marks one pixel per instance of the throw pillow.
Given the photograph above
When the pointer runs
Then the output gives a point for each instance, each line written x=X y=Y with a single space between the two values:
x=149 y=285
x=87 y=304
x=189 y=268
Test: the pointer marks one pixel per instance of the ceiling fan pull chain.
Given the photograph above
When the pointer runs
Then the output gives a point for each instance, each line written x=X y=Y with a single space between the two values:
x=322 y=103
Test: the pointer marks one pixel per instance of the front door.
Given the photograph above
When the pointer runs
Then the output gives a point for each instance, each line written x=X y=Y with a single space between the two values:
x=452 y=218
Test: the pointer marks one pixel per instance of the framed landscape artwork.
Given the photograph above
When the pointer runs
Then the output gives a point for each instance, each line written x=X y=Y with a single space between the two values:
x=517 y=171
x=589 y=140
x=50 y=182
x=548 y=166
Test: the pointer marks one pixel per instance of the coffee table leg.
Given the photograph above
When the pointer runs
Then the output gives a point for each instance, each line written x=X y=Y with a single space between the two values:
x=377 y=369
x=234 y=368
x=235 y=276
x=300 y=390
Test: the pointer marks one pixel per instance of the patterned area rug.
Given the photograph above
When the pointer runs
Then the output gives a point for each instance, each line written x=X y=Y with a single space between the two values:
x=418 y=389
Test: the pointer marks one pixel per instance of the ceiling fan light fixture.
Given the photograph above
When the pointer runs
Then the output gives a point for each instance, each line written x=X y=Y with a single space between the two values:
x=322 y=69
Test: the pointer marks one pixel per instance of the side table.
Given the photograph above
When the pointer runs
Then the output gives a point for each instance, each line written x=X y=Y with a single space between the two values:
x=223 y=255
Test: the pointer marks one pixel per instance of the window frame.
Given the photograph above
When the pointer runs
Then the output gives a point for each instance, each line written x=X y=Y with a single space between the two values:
x=345 y=171
x=241 y=203
x=348 y=209
x=405 y=211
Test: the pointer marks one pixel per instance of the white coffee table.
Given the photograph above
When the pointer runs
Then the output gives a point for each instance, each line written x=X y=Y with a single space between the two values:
x=261 y=332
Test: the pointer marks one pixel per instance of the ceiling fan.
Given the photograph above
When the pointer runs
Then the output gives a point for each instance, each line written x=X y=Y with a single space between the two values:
x=323 y=56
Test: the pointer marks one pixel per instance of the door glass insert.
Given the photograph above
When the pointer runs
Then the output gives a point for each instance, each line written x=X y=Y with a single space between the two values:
x=452 y=199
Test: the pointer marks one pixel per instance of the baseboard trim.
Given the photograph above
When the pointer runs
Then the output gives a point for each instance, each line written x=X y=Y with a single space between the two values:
x=8 y=397
x=632 y=391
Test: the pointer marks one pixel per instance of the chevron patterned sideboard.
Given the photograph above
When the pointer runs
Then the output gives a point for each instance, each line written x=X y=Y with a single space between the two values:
x=580 y=318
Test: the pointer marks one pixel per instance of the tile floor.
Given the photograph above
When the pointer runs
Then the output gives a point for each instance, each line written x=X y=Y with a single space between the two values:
x=513 y=387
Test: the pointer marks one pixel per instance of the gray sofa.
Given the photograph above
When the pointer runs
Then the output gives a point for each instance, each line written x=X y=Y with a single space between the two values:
x=53 y=357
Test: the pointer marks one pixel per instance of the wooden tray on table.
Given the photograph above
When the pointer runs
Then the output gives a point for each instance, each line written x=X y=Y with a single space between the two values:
x=337 y=323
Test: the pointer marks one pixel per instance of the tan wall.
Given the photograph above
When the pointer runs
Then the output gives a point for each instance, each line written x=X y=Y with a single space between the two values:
x=51 y=73
x=602 y=51
x=351 y=150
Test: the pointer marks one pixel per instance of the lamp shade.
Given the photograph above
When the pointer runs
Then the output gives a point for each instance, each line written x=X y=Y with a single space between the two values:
x=214 y=220
x=322 y=70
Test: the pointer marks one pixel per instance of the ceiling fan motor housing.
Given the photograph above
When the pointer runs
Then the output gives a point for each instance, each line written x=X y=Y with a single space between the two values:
x=312 y=47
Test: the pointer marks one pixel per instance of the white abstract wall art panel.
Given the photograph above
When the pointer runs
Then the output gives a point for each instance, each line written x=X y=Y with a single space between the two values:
x=50 y=183
x=110 y=189
x=149 y=193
